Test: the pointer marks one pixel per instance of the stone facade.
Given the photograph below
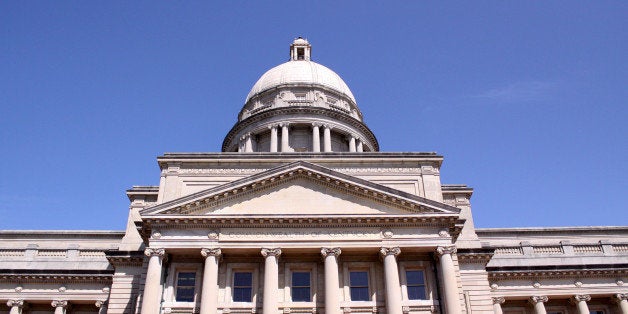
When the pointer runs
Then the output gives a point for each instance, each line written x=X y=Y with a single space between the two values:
x=301 y=213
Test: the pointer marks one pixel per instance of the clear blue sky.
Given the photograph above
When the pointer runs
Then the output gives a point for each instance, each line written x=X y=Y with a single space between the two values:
x=526 y=100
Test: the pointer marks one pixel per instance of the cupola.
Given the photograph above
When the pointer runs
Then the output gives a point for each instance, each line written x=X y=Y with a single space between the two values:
x=300 y=106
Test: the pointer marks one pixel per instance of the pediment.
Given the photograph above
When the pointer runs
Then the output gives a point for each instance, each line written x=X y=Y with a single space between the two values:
x=299 y=188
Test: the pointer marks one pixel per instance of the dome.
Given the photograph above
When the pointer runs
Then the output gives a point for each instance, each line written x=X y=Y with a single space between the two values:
x=301 y=72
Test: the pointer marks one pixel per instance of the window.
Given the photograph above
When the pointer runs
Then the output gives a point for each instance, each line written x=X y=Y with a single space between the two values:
x=415 y=283
x=596 y=312
x=300 y=54
x=242 y=286
x=301 y=287
x=186 y=281
x=359 y=285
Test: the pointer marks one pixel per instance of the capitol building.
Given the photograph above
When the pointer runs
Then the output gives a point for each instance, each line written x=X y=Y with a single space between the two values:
x=301 y=213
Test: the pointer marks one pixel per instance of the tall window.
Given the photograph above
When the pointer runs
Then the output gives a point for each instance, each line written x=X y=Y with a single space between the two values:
x=301 y=287
x=415 y=282
x=186 y=281
x=359 y=285
x=242 y=287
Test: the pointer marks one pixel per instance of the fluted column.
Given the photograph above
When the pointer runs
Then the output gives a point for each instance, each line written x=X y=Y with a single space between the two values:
x=152 y=287
x=449 y=283
x=327 y=138
x=332 y=283
x=316 y=138
x=352 y=143
x=209 y=294
x=539 y=304
x=102 y=306
x=271 y=280
x=497 y=304
x=273 y=138
x=391 y=272
x=360 y=147
x=59 y=306
x=622 y=302
x=16 y=306
x=285 y=137
x=581 y=303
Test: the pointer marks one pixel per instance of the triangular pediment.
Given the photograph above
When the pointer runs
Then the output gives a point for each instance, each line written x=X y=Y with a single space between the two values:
x=300 y=188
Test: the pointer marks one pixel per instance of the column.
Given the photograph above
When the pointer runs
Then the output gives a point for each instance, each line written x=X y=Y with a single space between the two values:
x=539 y=304
x=332 y=283
x=391 y=274
x=285 y=139
x=497 y=304
x=273 y=138
x=622 y=302
x=352 y=147
x=271 y=280
x=59 y=306
x=581 y=303
x=448 y=278
x=327 y=138
x=152 y=287
x=316 y=138
x=360 y=148
x=248 y=143
x=102 y=306
x=209 y=294
x=16 y=306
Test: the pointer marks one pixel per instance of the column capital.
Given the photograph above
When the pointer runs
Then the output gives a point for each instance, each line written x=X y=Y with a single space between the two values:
x=538 y=299
x=205 y=252
x=59 y=303
x=499 y=300
x=317 y=124
x=442 y=250
x=581 y=297
x=618 y=297
x=385 y=251
x=284 y=124
x=331 y=251
x=271 y=252
x=15 y=302
x=328 y=126
x=150 y=252
x=273 y=125
x=100 y=303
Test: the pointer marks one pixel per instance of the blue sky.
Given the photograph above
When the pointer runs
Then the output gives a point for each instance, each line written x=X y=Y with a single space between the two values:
x=526 y=100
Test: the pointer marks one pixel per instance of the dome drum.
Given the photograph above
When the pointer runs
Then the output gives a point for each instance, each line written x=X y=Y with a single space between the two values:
x=307 y=129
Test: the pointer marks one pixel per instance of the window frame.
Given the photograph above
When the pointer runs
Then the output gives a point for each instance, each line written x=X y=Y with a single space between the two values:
x=176 y=284
x=407 y=285
x=233 y=268
x=369 y=268
x=170 y=291
x=428 y=278
x=300 y=267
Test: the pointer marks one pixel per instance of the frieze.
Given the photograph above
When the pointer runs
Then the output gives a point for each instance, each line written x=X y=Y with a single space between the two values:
x=221 y=170
x=379 y=170
x=293 y=234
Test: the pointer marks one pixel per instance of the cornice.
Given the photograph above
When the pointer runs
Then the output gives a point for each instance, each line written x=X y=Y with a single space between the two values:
x=580 y=271
x=56 y=276
x=125 y=258
x=478 y=256
x=359 y=125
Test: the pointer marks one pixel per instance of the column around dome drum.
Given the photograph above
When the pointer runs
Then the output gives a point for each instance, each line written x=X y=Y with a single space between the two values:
x=327 y=138
x=316 y=137
x=285 y=137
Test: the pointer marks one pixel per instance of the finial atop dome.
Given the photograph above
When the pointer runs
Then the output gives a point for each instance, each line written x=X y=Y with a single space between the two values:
x=300 y=50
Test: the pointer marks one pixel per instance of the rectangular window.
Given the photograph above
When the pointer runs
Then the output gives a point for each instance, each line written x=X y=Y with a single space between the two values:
x=301 y=287
x=415 y=282
x=596 y=312
x=359 y=285
x=186 y=281
x=242 y=286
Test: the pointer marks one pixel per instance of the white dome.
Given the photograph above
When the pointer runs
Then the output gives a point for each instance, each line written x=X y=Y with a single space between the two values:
x=300 y=72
